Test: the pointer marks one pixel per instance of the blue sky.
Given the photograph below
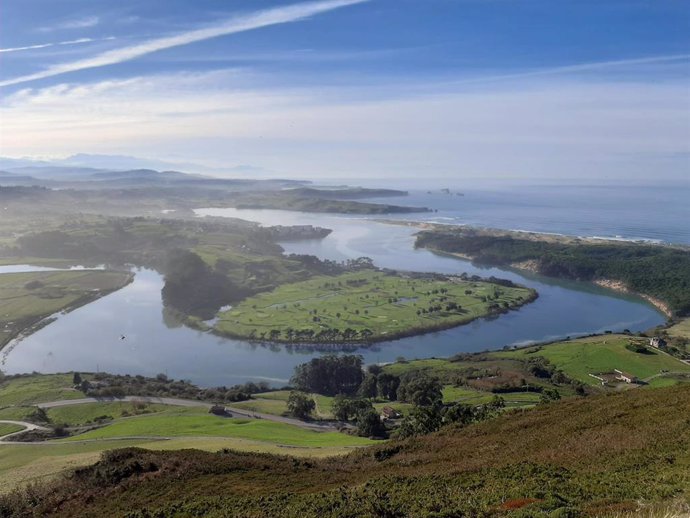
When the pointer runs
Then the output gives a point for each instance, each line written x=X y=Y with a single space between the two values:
x=449 y=90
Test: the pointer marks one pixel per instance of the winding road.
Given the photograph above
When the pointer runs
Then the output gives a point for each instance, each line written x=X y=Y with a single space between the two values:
x=27 y=427
x=330 y=426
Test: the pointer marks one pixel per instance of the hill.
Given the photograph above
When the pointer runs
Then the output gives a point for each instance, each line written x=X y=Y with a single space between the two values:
x=596 y=456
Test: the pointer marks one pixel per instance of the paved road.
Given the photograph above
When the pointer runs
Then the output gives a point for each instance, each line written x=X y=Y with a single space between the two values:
x=27 y=427
x=317 y=426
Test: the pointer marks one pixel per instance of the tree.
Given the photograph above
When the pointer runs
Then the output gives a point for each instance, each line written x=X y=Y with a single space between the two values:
x=345 y=408
x=368 y=386
x=300 y=405
x=420 y=390
x=369 y=424
x=76 y=379
x=387 y=386
x=330 y=375
x=421 y=421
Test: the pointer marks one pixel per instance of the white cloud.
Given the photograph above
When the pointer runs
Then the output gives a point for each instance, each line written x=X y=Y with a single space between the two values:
x=243 y=23
x=534 y=129
x=77 y=23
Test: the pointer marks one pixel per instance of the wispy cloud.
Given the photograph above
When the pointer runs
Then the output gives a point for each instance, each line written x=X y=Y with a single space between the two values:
x=77 y=23
x=624 y=129
x=56 y=44
x=256 y=20
x=595 y=66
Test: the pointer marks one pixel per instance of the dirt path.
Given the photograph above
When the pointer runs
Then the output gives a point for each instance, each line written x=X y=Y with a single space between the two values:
x=27 y=427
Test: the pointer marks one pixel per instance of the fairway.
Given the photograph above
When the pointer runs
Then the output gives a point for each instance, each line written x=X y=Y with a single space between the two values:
x=365 y=306
x=196 y=423
x=579 y=358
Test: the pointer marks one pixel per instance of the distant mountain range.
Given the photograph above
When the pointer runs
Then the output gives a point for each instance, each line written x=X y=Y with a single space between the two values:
x=83 y=162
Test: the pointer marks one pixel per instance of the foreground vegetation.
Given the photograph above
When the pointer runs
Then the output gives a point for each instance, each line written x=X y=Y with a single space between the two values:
x=367 y=306
x=661 y=272
x=28 y=298
x=581 y=457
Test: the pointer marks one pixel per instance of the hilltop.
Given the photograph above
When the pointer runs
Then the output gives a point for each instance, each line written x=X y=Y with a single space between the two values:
x=580 y=457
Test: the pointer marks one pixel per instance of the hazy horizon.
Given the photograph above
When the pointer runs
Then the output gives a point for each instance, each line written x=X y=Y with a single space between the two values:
x=587 y=92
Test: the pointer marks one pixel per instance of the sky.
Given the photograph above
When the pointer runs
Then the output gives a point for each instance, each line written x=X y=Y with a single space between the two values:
x=452 y=92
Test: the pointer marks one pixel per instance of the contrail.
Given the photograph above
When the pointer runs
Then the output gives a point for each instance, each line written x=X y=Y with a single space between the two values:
x=248 y=22
x=55 y=44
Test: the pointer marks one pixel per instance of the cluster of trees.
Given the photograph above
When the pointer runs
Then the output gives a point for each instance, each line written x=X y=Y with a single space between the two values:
x=541 y=367
x=194 y=288
x=659 y=271
x=112 y=385
x=429 y=413
x=330 y=375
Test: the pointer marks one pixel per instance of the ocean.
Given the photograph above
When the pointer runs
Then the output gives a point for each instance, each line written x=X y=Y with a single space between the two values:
x=656 y=214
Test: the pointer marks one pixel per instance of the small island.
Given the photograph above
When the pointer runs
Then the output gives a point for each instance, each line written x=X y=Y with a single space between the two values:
x=368 y=306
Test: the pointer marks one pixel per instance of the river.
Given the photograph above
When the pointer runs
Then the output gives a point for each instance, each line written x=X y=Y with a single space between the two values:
x=129 y=331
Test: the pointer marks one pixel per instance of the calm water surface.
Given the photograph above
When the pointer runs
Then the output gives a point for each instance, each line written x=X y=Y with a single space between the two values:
x=89 y=338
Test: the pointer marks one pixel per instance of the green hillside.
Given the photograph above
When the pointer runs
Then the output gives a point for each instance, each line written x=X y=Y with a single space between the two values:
x=580 y=457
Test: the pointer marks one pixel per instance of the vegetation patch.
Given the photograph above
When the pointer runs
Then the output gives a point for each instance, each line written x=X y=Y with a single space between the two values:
x=197 y=423
x=661 y=272
x=580 y=358
x=580 y=457
x=367 y=306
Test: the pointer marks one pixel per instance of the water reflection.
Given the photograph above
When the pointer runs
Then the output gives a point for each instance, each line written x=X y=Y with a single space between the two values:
x=89 y=338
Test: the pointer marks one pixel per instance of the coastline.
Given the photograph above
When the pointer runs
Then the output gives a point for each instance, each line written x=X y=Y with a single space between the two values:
x=531 y=266
x=528 y=234
x=620 y=287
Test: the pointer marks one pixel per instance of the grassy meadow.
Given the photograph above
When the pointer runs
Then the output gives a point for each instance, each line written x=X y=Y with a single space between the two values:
x=192 y=422
x=579 y=358
x=29 y=390
x=364 y=306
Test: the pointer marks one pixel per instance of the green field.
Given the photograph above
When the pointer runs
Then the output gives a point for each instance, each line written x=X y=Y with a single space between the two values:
x=73 y=415
x=26 y=298
x=579 y=358
x=198 y=423
x=16 y=413
x=7 y=428
x=365 y=306
x=28 y=390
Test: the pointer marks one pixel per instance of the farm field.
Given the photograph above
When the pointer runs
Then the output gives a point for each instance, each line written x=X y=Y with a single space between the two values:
x=29 y=390
x=579 y=358
x=27 y=298
x=192 y=422
x=365 y=306
x=75 y=415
